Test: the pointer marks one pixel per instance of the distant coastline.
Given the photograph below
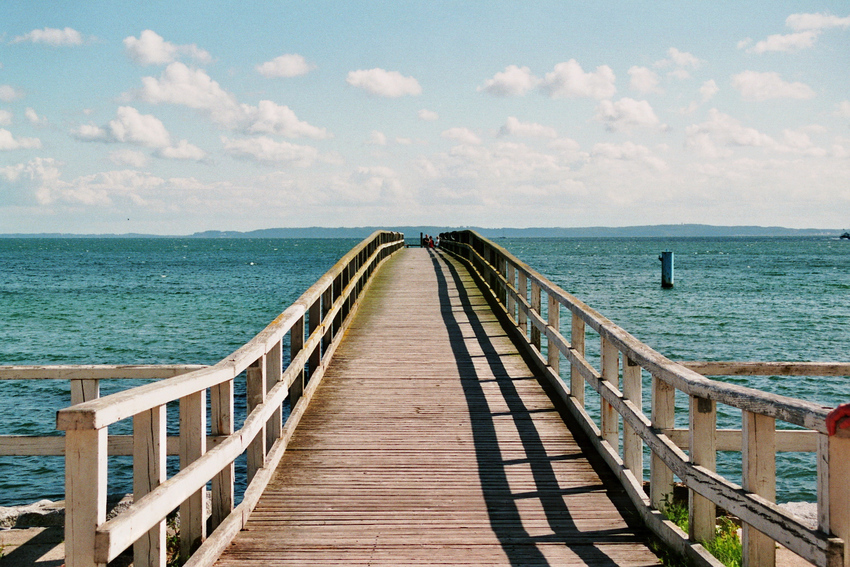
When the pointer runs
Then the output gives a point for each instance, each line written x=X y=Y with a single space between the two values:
x=647 y=231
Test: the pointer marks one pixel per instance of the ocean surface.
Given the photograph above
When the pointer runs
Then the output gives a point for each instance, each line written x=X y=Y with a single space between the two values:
x=172 y=300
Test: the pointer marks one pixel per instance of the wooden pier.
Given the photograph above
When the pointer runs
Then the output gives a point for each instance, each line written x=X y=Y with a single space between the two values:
x=430 y=422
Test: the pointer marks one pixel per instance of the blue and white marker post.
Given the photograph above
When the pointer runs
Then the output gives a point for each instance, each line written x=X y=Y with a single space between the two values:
x=666 y=269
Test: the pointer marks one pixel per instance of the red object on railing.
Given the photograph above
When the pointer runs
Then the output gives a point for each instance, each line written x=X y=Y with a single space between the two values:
x=839 y=418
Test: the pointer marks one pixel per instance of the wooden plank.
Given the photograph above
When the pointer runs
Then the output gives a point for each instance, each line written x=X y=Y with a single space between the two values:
x=85 y=494
x=429 y=439
x=222 y=423
x=703 y=452
x=758 y=474
x=149 y=437
x=193 y=420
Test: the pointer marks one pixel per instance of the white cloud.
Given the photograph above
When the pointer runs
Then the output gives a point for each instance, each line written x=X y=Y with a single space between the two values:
x=9 y=142
x=843 y=109
x=131 y=126
x=462 y=135
x=34 y=118
x=626 y=113
x=713 y=137
x=9 y=93
x=183 y=150
x=5 y=117
x=708 y=90
x=757 y=86
x=180 y=85
x=132 y=158
x=52 y=36
x=288 y=65
x=513 y=127
x=271 y=118
x=391 y=84
x=816 y=21
x=513 y=81
x=681 y=61
x=265 y=149
x=787 y=43
x=377 y=138
x=644 y=80
x=90 y=133
x=151 y=49
x=428 y=115
x=568 y=79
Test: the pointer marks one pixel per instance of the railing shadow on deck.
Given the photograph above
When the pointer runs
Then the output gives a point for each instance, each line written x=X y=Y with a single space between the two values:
x=505 y=517
x=623 y=430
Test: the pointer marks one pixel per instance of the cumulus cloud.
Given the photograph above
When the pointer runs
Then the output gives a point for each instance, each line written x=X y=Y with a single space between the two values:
x=270 y=118
x=377 y=138
x=816 y=21
x=131 y=126
x=568 y=80
x=513 y=81
x=626 y=114
x=288 y=65
x=133 y=158
x=787 y=43
x=34 y=118
x=843 y=109
x=379 y=82
x=757 y=86
x=267 y=150
x=513 y=127
x=9 y=93
x=462 y=135
x=428 y=115
x=708 y=90
x=183 y=150
x=680 y=61
x=644 y=80
x=151 y=49
x=89 y=133
x=628 y=151
x=180 y=85
x=5 y=117
x=713 y=137
x=52 y=36
x=9 y=142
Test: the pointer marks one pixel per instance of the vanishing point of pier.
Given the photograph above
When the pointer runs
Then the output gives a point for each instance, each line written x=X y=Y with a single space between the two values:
x=424 y=418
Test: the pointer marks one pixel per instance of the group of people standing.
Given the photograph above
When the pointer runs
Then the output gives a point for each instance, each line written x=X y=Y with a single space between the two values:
x=430 y=241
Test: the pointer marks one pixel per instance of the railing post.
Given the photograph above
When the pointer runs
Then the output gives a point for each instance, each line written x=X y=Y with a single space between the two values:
x=296 y=343
x=221 y=418
x=577 y=344
x=193 y=444
x=758 y=475
x=535 y=306
x=85 y=493
x=610 y=427
x=256 y=394
x=632 y=445
x=314 y=322
x=553 y=355
x=522 y=291
x=702 y=512
x=274 y=372
x=511 y=299
x=663 y=417
x=83 y=390
x=149 y=454
x=834 y=489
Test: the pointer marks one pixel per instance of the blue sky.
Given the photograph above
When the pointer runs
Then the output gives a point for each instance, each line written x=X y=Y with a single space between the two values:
x=175 y=117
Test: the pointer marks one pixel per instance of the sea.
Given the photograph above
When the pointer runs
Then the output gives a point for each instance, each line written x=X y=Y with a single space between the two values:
x=195 y=300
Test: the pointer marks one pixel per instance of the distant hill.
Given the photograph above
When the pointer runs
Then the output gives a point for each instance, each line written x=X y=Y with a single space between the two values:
x=649 y=231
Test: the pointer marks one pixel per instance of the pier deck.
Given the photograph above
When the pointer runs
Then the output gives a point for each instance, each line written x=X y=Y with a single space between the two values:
x=431 y=442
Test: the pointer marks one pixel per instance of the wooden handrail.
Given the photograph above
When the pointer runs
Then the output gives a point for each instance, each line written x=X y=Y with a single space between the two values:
x=517 y=288
x=323 y=311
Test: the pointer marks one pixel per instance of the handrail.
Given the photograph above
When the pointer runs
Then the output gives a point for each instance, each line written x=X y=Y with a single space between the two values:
x=323 y=311
x=517 y=290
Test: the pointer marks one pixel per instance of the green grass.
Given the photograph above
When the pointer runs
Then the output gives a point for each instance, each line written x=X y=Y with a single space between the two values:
x=726 y=545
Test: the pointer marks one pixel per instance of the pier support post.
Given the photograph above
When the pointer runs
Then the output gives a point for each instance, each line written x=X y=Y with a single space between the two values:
x=666 y=258
x=221 y=423
x=148 y=473
x=193 y=445
x=85 y=493
x=663 y=417
x=554 y=320
x=577 y=344
x=611 y=374
x=703 y=452
x=632 y=391
x=758 y=475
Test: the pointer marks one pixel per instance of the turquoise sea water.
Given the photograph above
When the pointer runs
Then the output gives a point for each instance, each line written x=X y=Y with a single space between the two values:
x=124 y=301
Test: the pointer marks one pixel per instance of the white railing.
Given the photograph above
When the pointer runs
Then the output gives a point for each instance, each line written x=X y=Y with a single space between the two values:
x=323 y=311
x=518 y=289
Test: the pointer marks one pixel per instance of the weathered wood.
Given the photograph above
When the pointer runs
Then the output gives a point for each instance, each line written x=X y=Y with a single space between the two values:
x=148 y=473
x=703 y=452
x=255 y=385
x=274 y=374
x=577 y=343
x=96 y=371
x=84 y=390
x=193 y=428
x=535 y=306
x=553 y=318
x=787 y=440
x=85 y=494
x=522 y=290
x=222 y=423
x=728 y=368
x=511 y=290
x=834 y=493
x=758 y=474
x=632 y=446
x=610 y=419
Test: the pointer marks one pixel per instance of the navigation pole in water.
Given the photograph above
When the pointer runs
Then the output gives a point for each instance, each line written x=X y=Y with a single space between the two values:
x=666 y=269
